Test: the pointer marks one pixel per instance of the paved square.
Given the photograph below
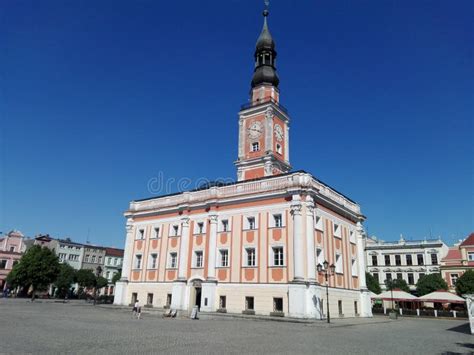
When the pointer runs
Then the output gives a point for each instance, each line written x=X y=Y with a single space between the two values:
x=46 y=327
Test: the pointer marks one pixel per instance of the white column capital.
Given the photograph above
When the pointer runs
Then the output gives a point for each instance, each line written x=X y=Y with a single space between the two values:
x=296 y=209
x=185 y=221
x=213 y=218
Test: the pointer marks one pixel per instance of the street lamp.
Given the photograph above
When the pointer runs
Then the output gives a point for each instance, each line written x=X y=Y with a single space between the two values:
x=327 y=271
x=98 y=271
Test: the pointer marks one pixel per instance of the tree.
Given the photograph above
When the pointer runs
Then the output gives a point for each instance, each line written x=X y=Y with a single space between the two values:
x=37 y=269
x=85 y=278
x=101 y=282
x=372 y=283
x=398 y=284
x=430 y=283
x=65 y=279
x=465 y=284
x=116 y=277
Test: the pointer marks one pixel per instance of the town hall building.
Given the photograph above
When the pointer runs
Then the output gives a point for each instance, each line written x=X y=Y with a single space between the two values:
x=252 y=246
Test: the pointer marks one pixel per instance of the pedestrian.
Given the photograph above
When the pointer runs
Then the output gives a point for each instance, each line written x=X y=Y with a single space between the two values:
x=135 y=308
x=139 y=312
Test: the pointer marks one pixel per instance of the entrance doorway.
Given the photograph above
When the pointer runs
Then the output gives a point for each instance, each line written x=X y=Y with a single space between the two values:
x=197 y=302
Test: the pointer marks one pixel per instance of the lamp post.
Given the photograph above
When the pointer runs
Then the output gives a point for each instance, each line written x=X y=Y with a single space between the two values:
x=327 y=271
x=98 y=271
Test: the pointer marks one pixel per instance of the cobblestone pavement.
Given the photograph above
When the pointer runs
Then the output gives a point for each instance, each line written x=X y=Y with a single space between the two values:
x=48 y=327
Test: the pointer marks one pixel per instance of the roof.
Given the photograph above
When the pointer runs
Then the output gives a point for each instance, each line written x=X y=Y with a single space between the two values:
x=68 y=241
x=468 y=241
x=453 y=254
x=114 y=252
x=442 y=296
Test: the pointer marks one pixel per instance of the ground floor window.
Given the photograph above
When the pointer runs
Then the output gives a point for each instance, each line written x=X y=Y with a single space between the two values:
x=356 y=311
x=134 y=297
x=277 y=304
x=168 y=299
x=249 y=306
x=454 y=279
x=222 y=302
x=339 y=306
x=149 y=299
x=3 y=264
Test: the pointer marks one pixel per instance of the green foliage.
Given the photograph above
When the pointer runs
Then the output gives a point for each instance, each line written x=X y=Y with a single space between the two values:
x=37 y=269
x=397 y=283
x=372 y=283
x=65 y=279
x=430 y=283
x=117 y=277
x=85 y=278
x=465 y=284
x=101 y=282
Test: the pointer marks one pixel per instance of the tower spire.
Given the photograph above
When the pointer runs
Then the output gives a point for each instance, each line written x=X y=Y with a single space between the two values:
x=265 y=55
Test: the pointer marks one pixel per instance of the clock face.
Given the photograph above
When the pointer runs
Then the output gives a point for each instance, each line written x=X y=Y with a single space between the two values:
x=255 y=130
x=278 y=132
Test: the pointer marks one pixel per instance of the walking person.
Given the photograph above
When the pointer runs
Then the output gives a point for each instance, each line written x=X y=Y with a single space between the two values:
x=135 y=309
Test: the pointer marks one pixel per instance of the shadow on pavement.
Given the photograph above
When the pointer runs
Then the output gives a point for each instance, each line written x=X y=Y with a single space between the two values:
x=463 y=328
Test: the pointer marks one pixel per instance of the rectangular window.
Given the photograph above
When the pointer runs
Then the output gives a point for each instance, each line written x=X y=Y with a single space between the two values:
x=376 y=276
x=100 y=260
x=107 y=275
x=198 y=258
x=398 y=260
x=153 y=259
x=138 y=261
x=352 y=238
x=86 y=259
x=319 y=223
x=339 y=306
x=388 y=276
x=175 y=230
x=277 y=220
x=134 y=297
x=93 y=258
x=3 y=264
x=470 y=256
x=277 y=304
x=250 y=256
x=173 y=260
x=224 y=258
x=12 y=249
x=115 y=261
x=420 y=259
x=251 y=222
x=356 y=311
x=319 y=256
x=249 y=304
x=255 y=147
x=454 y=279
x=149 y=299
x=156 y=232
x=339 y=263
x=225 y=225
x=278 y=256
x=399 y=276
x=409 y=260
x=434 y=259
x=222 y=302
x=354 y=267
x=141 y=234
x=200 y=228
x=411 y=279
x=168 y=299
x=387 y=260
x=337 y=230
x=374 y=260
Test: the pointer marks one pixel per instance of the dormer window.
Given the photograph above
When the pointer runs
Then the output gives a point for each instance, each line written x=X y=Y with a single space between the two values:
x=255 y=147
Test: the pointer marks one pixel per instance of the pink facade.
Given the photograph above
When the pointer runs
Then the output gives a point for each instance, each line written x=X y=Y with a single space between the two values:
x=460 y=258
x=11 y=250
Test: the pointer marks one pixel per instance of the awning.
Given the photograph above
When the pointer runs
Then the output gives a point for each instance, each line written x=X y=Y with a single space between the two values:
x=442 y=296
x=398 y=295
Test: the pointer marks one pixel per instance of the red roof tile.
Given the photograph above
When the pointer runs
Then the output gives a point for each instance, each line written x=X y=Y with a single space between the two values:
x=453 y=254
x=113 y=252
x=469 y=240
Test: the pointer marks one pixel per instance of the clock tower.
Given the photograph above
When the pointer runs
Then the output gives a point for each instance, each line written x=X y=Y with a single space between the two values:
x=263 y=122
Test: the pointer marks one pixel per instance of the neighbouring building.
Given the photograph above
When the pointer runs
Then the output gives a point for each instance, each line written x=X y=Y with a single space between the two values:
x=459 y=259
x=12 y=248
x=69 y=252
x=252 y=246
x=405 y=259
x=94 y=256
x=112 y=266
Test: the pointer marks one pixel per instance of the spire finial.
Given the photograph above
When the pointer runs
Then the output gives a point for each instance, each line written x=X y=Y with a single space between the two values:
x=267 y=5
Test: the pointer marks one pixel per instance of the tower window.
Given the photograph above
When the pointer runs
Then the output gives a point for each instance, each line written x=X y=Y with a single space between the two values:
x=255 y=147
x=278 y=148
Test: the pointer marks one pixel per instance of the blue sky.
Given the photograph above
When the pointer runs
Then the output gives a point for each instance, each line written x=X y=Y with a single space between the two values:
x=99 y=97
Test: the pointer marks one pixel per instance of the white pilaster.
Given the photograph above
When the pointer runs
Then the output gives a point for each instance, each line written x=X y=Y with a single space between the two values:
x=241 y=138
x=121 y=286
x=183 y=249
x=298 y=251
x=365 y=301
x=310 y=249
x=211 y=265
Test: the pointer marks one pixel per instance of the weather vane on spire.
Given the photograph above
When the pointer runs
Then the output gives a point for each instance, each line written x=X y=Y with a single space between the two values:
x=267 y=4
